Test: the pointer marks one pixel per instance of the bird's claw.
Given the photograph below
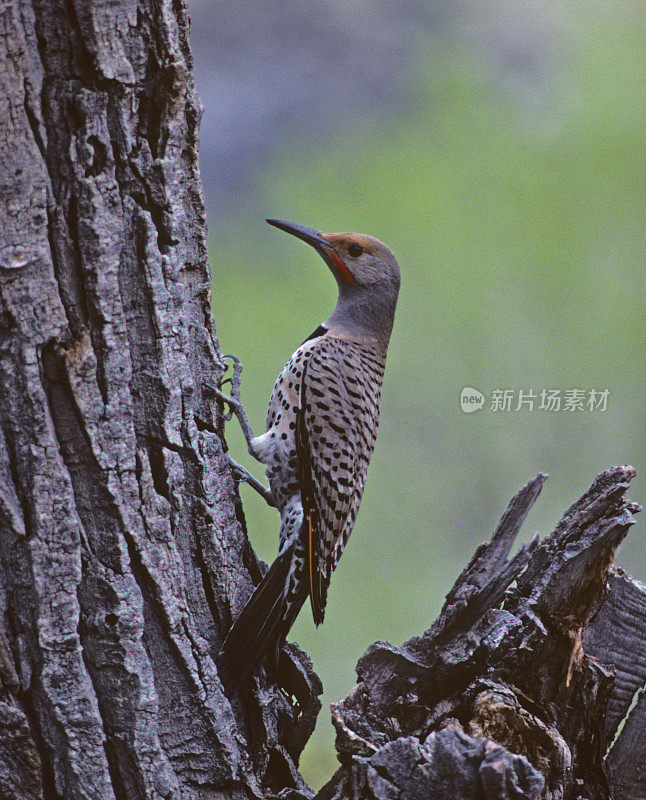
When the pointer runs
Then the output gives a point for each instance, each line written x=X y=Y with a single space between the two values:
x=241 y=475
x=236 y=470
x=234 y=379
x=233 y=400
x=233 y=403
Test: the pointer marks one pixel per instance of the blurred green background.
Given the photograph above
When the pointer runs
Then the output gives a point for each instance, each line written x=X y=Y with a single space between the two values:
x=514 y=199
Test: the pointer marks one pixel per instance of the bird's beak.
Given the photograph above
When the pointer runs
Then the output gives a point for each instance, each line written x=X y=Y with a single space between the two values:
x=309 y=235
x=324 y=248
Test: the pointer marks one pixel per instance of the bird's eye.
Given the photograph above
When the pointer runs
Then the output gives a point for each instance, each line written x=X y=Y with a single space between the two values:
x=355 y=250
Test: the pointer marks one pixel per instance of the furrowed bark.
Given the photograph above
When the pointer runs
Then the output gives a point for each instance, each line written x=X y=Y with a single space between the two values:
x=123 y=552
x=510 y=693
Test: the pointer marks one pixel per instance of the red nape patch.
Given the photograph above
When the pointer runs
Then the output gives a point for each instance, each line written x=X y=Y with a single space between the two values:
x=340 y=269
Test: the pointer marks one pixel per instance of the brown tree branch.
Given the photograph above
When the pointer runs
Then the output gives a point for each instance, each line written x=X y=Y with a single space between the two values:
x=510 y=693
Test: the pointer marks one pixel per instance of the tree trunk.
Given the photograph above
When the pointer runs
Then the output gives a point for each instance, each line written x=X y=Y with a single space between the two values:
x=123 y=553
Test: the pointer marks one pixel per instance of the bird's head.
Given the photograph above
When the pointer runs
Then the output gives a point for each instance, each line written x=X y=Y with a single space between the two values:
x=367 y=275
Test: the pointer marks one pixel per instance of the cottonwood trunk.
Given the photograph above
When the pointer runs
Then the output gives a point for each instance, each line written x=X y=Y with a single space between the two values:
x=123 y=554
x=122 y=551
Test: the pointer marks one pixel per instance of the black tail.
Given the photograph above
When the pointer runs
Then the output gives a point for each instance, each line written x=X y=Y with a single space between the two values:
x=258 y=624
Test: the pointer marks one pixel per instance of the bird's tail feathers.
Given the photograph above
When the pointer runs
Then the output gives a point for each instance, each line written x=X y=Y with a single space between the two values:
x=259 y=620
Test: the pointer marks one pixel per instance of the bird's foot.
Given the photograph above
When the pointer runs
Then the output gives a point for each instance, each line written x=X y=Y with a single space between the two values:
x=242 y=476
x=233 y=400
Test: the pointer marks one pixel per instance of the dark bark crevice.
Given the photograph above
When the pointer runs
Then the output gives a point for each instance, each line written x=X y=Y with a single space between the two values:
x=44 y=786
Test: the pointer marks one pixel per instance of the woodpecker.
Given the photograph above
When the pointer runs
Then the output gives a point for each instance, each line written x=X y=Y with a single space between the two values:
x=321 y=431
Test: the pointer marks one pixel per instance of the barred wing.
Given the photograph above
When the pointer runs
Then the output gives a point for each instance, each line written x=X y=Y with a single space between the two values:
x=335 y=436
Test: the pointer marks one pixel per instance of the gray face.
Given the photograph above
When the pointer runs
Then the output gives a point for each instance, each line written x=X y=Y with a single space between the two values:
x=367 y=274
x=367 y=260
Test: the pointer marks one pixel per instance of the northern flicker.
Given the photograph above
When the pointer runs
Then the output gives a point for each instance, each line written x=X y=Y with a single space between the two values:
x=321 y=430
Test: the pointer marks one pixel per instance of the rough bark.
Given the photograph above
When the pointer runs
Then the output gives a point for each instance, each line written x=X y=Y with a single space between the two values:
x=123 y=554
x=122 y=551
x=510 y=693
